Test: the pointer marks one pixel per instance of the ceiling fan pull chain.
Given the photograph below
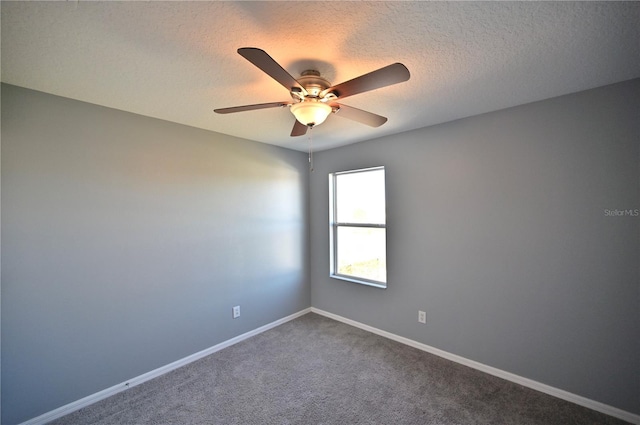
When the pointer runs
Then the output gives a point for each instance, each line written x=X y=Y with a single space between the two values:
x=311 y=148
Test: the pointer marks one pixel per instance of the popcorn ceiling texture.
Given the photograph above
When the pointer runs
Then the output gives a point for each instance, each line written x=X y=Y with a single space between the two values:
x=177 y=61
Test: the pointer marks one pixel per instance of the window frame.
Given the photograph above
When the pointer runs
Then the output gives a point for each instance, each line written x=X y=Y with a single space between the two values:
x=334 y=225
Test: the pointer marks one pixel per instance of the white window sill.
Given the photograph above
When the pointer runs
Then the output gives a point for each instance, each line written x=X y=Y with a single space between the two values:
x=360 y=281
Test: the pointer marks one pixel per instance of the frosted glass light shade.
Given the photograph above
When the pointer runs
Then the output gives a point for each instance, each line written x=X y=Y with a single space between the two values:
x=311 y=112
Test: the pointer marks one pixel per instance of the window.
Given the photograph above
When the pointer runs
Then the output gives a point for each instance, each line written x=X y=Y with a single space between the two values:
x=358 y=234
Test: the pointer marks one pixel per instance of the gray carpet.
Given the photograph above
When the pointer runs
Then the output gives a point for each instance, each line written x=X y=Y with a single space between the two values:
x=314 y=370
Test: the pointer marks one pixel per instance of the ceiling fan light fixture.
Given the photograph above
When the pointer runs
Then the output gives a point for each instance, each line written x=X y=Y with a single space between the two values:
x=311 y=112
x=313 y=96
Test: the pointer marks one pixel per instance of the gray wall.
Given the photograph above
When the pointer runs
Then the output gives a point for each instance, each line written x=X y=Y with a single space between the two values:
x=126 y=241
x=497 y=228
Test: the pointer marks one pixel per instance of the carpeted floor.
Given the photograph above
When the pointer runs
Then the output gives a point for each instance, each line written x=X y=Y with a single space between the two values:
x=314 y=370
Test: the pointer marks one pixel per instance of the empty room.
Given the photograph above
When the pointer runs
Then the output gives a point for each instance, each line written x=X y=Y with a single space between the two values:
x=282 y=212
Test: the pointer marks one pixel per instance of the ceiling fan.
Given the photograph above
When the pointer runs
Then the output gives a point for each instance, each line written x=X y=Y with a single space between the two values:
x=314 y=98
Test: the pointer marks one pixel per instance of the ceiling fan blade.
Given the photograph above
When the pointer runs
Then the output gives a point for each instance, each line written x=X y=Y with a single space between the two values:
x=299 y=129
x=364 y=117
x=262 y=60
x=391 y=74
x=250 y=107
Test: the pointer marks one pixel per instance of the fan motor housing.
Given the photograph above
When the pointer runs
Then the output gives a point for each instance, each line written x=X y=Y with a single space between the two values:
x=312 y=82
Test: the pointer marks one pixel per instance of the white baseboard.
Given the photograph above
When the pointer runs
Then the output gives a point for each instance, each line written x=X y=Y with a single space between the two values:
x=547 y=389
x=565 y=395
x=93 y=398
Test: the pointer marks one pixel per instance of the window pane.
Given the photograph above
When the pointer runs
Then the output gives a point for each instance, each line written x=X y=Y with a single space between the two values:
x=360 y=197
x=362 y=252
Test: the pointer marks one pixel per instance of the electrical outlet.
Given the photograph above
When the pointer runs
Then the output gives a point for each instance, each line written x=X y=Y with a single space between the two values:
x=422 y=316
x=236 y=312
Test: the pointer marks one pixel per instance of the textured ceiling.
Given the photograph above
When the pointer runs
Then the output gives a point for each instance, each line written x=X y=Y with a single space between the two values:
x=177 y=60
